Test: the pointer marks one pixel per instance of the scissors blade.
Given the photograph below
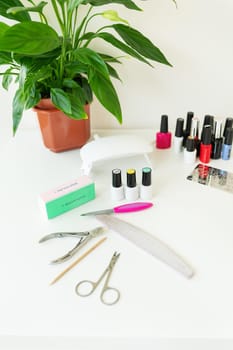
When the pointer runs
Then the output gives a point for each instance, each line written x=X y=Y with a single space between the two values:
x=114 y=259
x=147 y=242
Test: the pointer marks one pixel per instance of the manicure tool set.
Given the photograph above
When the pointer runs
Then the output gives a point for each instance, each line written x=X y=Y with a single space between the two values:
x=212 y=142
x=139 y=237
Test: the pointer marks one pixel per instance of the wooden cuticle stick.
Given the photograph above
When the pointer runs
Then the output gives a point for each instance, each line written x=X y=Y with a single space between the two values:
x=78 y=260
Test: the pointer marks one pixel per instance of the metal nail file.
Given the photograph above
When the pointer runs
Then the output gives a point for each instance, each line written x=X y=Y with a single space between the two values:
x=124 y=208
x=147 y=242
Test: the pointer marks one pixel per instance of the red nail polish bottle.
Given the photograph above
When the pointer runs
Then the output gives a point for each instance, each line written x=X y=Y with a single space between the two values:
x=206 y=146
x=163 y=138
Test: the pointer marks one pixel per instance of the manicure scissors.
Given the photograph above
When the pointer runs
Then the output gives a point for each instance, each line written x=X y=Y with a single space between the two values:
x=108 y=295
x=85 y=236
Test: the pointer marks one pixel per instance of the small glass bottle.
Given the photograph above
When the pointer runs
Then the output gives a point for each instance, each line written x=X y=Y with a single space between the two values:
x=131 y=189
x=163 y=137
x=146 y=185
x=117 y=189
x=190 y=151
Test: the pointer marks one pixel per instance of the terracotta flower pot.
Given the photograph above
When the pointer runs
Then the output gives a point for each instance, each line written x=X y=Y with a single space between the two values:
x=59 y=132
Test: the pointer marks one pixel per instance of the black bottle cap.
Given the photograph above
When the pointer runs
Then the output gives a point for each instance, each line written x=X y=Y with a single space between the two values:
x=131 y=178
x=208 y=120
x=164 y=123
x=146 y=176
x=206 y=135
x=229 y=136
x=228 y=124
x=189 y=118
x=179 y=132
x=116 y=178
x=190 y=144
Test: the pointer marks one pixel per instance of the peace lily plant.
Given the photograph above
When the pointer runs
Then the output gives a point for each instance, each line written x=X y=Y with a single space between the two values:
x=61 y=65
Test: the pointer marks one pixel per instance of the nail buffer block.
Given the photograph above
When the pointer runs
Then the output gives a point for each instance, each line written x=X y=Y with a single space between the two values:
x=68 y=196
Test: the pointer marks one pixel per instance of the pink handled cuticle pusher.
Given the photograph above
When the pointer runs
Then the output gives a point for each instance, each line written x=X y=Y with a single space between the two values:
x=124 y=208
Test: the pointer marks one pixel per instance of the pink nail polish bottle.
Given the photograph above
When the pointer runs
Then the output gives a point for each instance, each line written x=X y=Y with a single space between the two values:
x=163 y=137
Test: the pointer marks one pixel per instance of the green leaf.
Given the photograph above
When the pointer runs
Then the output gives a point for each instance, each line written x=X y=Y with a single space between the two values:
x=3 y=28
x=122 y=46
x=6 y=4
x=105 y=93
x=108 y=58
x=113 y=72
x=29 y=38
x=92 y=59
x=5 y=58
x=16 y=9
x=70 y=83
x=7 y=79
x=75 y=68
x=86 y=89
x=61 y=100
x=77 y=107
x=31 y=96
x=18 y=108
x=127 y=3
x=140 y=43
x=34 y=77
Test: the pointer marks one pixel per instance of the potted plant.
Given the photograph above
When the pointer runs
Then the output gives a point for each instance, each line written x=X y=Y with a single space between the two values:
x=61 y=67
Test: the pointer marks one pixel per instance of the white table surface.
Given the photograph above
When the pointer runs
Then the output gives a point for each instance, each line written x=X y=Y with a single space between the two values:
x=157 y=303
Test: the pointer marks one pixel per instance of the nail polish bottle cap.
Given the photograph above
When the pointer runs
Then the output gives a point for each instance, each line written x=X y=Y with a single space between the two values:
x=189 y=118
x=146 y=176
x=190 y=144
x=229 y=136
x=164 y=123
x=208 y=120
x=207 y=135
x=116 y=178
x=179 y=132
x=131 y=178
x=228 y=124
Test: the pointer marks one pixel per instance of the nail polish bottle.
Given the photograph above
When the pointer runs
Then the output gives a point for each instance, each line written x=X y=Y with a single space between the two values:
x=131 y=190
x=117 y=190
x=178 y=137
x=146 y=186
x=217 y=140
x=227 y=145
x=228 y=124
x=208 y=120
x=189 y=118
x=163 y=138
x=206 y=146
x=190 y=151
x=195 y=134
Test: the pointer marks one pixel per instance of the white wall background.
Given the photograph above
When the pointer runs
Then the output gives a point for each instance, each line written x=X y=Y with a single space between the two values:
x=197 y=38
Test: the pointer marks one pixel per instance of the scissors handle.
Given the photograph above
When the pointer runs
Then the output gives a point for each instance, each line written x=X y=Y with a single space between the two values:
x=85 y=288
x=110 y=296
